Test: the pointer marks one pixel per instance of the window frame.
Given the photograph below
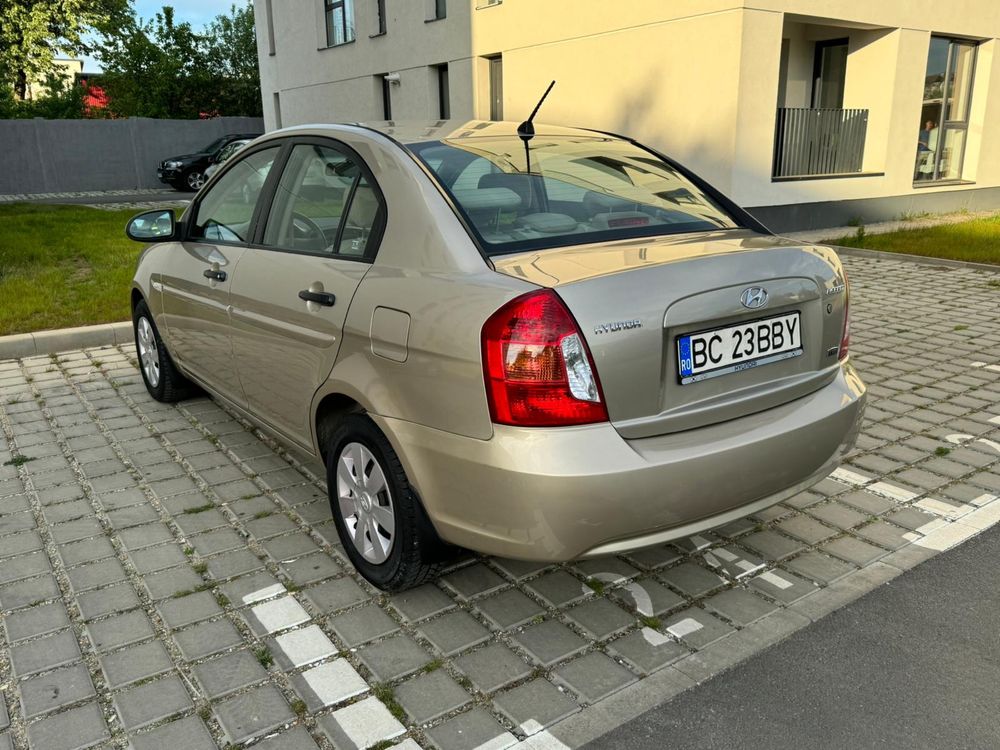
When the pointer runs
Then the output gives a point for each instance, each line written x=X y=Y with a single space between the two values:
x=271 y=188
x=945 y=125
x=380 y=18
x=329 y=6
x=817 y=78
x=190 y=216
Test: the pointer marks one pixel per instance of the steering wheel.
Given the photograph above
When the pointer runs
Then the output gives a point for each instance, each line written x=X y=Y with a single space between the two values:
x=304 y=228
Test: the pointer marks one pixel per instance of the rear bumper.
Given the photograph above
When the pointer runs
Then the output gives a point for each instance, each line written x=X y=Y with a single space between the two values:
x=560 y=494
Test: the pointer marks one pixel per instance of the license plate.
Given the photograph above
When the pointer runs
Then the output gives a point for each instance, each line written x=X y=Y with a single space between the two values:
x=709 y=354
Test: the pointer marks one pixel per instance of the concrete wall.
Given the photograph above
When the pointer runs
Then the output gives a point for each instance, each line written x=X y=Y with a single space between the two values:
x=53 y=156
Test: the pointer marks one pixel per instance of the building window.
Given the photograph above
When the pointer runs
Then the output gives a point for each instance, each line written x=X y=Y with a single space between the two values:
x=444 y=97
x=829 y=74
x=440 y=8
x=944 y=117
x=269 y=20
x=380 y=10
x=496 y=88
x=383 y=86
x=339 y=21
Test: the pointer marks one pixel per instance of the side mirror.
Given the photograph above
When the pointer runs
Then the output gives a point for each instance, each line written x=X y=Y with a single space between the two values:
x=152 y=226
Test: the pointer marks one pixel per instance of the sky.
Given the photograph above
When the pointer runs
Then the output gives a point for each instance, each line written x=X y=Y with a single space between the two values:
x=196 y=12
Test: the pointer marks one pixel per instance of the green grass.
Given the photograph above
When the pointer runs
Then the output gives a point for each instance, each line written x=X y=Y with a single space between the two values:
x=63 y=266
x=977 y=241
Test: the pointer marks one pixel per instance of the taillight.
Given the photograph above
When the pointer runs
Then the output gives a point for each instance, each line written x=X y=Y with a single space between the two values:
x=845 y=336
x=539 y=372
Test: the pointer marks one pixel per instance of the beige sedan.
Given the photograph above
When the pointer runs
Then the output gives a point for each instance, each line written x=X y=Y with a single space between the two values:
x=544 y=348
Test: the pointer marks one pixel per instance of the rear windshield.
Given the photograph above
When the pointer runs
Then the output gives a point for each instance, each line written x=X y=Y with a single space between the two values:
x=566 y=191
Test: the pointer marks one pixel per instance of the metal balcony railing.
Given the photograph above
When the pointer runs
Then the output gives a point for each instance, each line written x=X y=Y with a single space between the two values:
x=817 y=142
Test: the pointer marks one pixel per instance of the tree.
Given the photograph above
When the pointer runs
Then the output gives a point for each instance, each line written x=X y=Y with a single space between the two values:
x=161 y=68
x=33 y=32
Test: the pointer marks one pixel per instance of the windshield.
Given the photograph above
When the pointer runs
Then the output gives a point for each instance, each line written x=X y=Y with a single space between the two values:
x=214 y=146
x=577 y=190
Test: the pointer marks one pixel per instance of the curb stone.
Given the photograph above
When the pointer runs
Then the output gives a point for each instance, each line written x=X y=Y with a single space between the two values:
x=22 y=345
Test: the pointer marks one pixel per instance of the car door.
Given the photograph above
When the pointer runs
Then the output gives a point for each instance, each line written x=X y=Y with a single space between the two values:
x=294 y=286
x=195 y=285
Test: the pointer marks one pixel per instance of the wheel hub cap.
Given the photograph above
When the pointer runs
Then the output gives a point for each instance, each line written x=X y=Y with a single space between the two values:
x=149 y=356
x=365 y=503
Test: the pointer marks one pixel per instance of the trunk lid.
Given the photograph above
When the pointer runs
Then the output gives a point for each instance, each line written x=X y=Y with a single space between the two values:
x=633 y=299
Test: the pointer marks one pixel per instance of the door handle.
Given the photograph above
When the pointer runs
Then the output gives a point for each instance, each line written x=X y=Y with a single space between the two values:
x=211 y=273
x=320 y=298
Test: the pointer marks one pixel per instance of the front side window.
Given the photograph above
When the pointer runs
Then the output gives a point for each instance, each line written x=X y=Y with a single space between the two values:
x=339 y=16
x=226 y=210
x=566 y=191
x=944 y=116
x=323 y=204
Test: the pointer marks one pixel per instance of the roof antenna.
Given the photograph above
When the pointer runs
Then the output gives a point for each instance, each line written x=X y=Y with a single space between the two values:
x=526 y=130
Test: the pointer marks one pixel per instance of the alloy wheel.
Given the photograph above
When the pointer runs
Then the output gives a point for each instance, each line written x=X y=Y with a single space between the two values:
x=195 y=180
x=365 y=503
x=149 y=355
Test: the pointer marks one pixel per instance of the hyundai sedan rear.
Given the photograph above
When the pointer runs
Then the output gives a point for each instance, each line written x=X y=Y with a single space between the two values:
x=543 y=348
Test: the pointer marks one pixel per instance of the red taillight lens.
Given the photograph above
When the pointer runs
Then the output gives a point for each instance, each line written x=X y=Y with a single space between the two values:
x=538 y=369
x=845 y=336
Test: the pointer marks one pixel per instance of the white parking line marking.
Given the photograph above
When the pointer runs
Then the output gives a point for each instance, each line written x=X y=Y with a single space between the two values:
x=947 y=536
x=893 y=493
x=643 y=602
x=850 y=477
x=541 y=741
x=265 y=593
x=984 y=499
x=775 y=580
x=305 y=646
x=995 y=420
x=334 y=682
x=684 y=627
x=280 y=614
x=939 y=508
x=655 y=637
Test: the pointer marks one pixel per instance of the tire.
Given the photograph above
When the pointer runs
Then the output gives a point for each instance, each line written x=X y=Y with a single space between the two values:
x=162 y=378
x=192 y=180
x=414 y=552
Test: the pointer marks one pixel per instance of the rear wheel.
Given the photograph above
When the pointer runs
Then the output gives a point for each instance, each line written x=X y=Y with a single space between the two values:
x=162 y=378
x=381 y=524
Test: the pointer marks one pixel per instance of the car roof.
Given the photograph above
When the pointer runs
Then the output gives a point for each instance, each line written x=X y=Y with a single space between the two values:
x=416 y=131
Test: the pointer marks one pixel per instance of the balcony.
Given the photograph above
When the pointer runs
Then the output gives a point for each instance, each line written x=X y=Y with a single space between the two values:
x=811 y=143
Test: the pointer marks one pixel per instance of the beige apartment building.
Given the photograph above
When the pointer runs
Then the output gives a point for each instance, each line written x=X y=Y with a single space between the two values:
x=808 y=112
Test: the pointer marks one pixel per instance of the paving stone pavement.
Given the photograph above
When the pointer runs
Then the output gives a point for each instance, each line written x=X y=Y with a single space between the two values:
x=167 y=579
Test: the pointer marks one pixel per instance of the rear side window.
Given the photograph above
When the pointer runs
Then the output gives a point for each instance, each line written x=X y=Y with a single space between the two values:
x=225 y=211
x=323 y=204
x=566 y=190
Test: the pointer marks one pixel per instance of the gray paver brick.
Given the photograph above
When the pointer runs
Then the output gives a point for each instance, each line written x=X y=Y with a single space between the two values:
x=73 y=530
x=559 y=588
x=363 y=624
x=394 y=657
x=648 y=597
x=709 y=629
x=151 y=702
x=117 y=598
x=328 y=684
x=315 y=567
x=189 y=733
x=430 y=696
x=838 y=515
x=253 y=713
x=593 y=676
x=454 y=632
x=40 y=620
x=492 y=667
x=19 y=544
x=138 y=537
x=120 y=630
x=48 y=692
x=86 y=551
x=136 y=663
x=807 y=529
x=771 y=545
x=234 y=563
x=171 y=581
x=24 y=566
x=424 y=601
x=177 y=613
x=535 y=705
x=550 y=642
x=44 y=653
x=601 y=618
x=96 y=574
x=228 y=673
x=206 y=639
x=783 y=586
x=740 y=606
x=75 y=729
x=294 y=739
x=475 y=728
x=853 y=550
x=473 y=580
x=508 y=609
x=152 y=559
x=692 y=579
x=333 y=596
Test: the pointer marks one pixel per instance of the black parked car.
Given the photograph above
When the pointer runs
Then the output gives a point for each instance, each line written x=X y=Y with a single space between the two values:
x=187 y=172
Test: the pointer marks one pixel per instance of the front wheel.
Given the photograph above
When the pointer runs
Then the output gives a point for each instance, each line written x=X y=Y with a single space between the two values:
x=194 y=179
x=381 y=524
x=162 y=378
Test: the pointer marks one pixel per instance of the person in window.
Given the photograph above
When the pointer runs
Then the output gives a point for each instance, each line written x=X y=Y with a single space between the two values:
x=926 y=147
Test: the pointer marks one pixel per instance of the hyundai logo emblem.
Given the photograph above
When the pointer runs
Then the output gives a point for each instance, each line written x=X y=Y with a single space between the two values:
x=754 y=297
